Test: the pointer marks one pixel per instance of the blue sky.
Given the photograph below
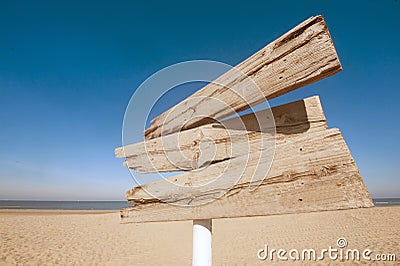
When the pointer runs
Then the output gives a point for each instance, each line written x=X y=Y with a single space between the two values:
x=69 y=68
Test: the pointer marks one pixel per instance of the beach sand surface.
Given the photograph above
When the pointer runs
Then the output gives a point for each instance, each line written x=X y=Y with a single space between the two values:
x=97 y=237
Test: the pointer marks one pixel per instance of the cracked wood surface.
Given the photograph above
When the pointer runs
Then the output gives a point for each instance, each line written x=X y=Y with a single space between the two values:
x=198 y=147
x=302 y=56
x=310 y=172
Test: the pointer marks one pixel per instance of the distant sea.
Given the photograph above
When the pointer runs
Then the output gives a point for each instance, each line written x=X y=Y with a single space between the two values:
x=379 y=202
x=112 y=205
x=63 y=205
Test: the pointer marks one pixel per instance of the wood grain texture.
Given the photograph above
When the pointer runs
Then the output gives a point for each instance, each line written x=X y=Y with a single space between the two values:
x=312 y=171
x=302 y=56
x=204 y=145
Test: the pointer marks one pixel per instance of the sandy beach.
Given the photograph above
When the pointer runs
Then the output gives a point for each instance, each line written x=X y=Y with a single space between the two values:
x=98 y=237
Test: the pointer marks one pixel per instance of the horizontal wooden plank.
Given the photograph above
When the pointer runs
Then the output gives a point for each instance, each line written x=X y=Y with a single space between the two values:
x=310 y=172
x=194 y=148
x=302 y=56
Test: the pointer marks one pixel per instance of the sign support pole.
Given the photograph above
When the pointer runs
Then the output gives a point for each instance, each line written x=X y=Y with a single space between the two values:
x=202 y=253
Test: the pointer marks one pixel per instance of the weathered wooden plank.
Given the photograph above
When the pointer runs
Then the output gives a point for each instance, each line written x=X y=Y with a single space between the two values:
x=291 y=118
x=207 y=144
x=310 y=172
x=308 y=47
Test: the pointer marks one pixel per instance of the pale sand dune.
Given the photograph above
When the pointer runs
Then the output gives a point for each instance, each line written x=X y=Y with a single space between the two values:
x=58 y=237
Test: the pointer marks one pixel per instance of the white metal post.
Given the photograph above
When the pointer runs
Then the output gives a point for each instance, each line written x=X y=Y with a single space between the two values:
x=202 y=253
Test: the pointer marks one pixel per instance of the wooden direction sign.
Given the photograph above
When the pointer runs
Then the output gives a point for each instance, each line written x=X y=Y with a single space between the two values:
x=293 y=162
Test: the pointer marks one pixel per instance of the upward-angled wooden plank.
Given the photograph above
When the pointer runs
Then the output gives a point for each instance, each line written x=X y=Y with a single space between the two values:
x=310 y=172
x=308 y=47
x=208 y=144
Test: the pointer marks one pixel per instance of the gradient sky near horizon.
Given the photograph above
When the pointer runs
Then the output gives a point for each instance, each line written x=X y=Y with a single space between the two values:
x=69 y=68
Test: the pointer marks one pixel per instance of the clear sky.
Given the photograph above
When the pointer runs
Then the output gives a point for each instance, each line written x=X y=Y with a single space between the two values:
x=69 y=68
